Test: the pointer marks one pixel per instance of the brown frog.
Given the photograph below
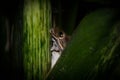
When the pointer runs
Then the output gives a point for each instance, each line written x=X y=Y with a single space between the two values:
x=59 y=41
x=60 y=37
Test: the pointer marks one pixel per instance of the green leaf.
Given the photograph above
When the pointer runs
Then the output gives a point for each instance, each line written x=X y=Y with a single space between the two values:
x=91 y=48
x=36 y=54
x=32 y=40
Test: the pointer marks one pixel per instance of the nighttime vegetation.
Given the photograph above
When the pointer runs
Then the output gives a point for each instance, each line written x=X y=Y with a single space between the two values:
x=91 y=54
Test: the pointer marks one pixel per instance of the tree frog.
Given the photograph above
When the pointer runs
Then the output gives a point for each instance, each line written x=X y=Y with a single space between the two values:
x=59 y=40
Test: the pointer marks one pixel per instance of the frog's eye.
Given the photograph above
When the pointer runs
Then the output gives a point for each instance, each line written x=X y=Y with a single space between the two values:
x=60 y=34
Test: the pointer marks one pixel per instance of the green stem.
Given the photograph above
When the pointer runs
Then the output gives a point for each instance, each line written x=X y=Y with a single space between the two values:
x=36 y=54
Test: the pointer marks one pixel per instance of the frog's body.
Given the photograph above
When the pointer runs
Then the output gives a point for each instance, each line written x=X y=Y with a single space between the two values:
x=59 y=41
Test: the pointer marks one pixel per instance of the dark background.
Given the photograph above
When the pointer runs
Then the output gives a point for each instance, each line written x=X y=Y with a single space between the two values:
x=60 y=8
x=11 y=8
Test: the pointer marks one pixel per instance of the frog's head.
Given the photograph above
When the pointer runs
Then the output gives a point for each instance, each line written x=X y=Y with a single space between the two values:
x=57 y=33
x=60 y=37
